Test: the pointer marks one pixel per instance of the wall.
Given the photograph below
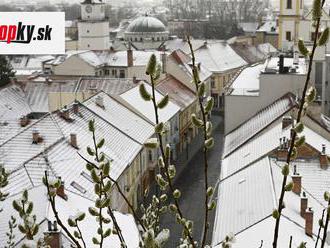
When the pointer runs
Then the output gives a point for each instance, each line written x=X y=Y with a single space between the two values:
x=239 y=109
x=74 y=66
x=93 y=35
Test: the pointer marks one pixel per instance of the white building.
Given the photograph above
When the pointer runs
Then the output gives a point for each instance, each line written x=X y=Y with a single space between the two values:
x=146 y=32
x=259 y=85
x=93 y=27
x=294 y=24
x=169 y=115
x=251 y=179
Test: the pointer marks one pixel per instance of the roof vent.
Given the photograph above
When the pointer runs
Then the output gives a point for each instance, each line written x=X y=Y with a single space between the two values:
x=99 y=101
x=73 y=140
x=24 y=121
x=287 y=121
x=36 y=138
x=324 y=158
x=65 y=114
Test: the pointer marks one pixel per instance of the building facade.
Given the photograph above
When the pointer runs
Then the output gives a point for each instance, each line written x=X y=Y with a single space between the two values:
x=93 y=27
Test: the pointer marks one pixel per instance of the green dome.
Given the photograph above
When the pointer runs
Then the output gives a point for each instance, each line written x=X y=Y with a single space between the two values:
x=146 y=24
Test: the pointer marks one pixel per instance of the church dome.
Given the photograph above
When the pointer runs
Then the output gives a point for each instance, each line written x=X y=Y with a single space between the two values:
x=146 y=24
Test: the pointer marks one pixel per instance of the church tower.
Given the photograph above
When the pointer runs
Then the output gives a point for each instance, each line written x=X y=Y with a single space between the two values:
x=93 y=27
x=291 y=12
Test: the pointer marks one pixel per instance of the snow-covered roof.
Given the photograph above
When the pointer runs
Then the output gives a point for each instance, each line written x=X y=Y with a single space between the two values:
x=112 y=86
x=257 y=123
x=116 y=113
x=119 y=59
x=184 y=63
x=248 y=198
x=146 y=108
x=19 y=151
x=178 y=92
x=269 y=27
x=66 y=208
x=37 y=92
x=248 y=81
x=219 y=57
x=264 y=143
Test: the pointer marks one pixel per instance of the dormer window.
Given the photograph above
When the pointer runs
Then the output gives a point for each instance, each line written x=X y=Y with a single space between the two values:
x=289 y=4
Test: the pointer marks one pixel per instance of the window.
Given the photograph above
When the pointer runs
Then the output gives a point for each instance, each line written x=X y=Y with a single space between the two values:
x=288 y=36
x=289 y=4
x=150 y=155
x=114 y=73
x=122 y=74
x=212 y=82
x=78 y=187
x=141 y=39
x=106 y=72
x=87 y=31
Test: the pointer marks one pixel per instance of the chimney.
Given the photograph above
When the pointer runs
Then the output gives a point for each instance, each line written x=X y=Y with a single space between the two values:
x=281 y=63
x=303 y=204
x=61 y=191
x=65 y=113
x=296 y=179
x=24 y=121
x=286 y=122
x=323 y=158
x=53 y=236
x=75 y=107
x=309 y=222
x=129 y=56
x=73 y=140
x=35 y=136
x=99 y=101
x=135 y=81
x=164 y=62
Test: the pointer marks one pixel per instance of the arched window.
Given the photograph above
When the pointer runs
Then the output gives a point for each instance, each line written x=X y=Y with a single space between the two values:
x=289 y=4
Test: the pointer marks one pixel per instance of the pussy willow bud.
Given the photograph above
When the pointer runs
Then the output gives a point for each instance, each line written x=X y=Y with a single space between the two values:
x=289 y=186
x=151 y=67
x=324 y=37
x=151 y=143
x=201 y=89
x=209 y=104
x=209 y=143
x=299 y=127
x=197 y=122
x=300 y=141
x=144 y=93
x=285 y=170
x=163 y=102
x=311 y=95
x=317 y=9
x=302 y=48
x=275 y=214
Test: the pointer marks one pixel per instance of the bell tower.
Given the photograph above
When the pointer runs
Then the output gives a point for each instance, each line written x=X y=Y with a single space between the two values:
x=291 y=12
x=93 y=26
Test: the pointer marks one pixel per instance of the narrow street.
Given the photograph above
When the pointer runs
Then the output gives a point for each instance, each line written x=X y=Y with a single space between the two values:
x=191 y=183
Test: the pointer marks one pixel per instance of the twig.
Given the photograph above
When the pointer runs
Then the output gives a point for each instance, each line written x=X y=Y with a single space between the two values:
x=120 y=192
x=59 y=221
x=290 y=244
x=261 y=244
x=206 y=201
x=319 y=232
x=294 y=134
x=166 y=164
x=325 y=231
x=80 y=234
x=113 y=218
